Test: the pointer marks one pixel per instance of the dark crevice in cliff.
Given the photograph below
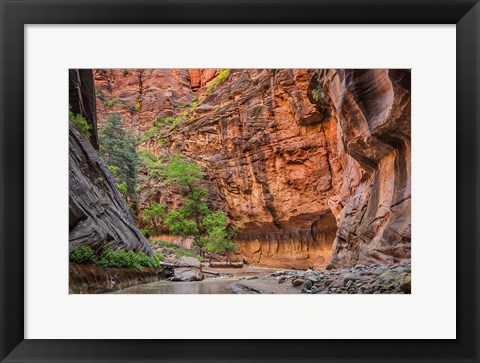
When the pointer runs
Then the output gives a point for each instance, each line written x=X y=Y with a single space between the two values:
x=82 y=99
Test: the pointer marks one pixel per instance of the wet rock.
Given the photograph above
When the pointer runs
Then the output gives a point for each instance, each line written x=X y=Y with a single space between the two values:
x=298 y=282
x=262 y=286
x=393 y=280
x=187 y=274
x=93 y=279
x=387 y=277
x=313 y=278
x=351 y=277
x=406 y=285
x=307 y=285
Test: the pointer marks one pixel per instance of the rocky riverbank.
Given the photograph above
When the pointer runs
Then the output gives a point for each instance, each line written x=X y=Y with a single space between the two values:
x=184 y=279
x=361 y=279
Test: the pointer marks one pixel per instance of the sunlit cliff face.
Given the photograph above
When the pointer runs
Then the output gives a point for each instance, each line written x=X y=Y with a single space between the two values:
x=315 y=164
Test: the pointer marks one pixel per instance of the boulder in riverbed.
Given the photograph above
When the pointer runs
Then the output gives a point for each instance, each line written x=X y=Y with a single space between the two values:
x=187 y=269
x=298 y=282
x=307 y=285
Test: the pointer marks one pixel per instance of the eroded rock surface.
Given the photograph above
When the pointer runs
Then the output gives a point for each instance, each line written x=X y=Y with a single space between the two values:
x=314 y=163
x=373 y=111
x=265 y=147
x=98 y=216
x=141 y=95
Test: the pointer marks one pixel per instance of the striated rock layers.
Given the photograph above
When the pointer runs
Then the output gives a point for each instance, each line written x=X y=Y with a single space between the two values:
x=373 y=112
x=314 y=163
x=98 y=216
x=140 y=95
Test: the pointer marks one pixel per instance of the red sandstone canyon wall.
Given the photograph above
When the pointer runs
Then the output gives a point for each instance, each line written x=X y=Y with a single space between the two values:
x=314 y=163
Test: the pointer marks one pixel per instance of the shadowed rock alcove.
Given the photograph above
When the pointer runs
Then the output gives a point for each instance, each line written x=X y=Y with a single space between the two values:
x=305 y=242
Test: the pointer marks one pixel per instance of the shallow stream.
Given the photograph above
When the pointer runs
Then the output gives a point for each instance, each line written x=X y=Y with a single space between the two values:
x=207 y=286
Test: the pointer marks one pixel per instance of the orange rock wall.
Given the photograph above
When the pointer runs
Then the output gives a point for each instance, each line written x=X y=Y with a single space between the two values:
x=315 y=180
x=373 y=111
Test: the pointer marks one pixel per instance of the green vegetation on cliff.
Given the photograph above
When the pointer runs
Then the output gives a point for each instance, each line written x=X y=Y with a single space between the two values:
x=122 y=258
x=80 y=123
x=163 y=125
x=114 y=258
x=82 y=254
x=151 y=163
x=109 y=103
x=317 y=92
x=223 y=75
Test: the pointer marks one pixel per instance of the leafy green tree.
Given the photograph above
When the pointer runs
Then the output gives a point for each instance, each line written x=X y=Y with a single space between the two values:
x=182 y=174
x=209 y=230
x=118 y=149
x=152 y=219
x=217 y=238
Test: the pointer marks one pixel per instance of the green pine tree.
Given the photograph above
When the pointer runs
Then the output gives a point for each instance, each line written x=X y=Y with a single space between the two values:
x=118 y=149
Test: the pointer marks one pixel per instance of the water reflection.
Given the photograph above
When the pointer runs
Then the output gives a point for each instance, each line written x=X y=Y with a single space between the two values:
x=212 y=286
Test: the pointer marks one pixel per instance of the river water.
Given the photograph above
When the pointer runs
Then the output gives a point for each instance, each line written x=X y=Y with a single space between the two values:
x=208 y=286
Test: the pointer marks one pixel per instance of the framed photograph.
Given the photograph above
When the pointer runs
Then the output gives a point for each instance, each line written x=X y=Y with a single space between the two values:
x=241 y=181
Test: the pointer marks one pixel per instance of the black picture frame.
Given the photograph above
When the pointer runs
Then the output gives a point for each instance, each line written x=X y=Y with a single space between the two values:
x=15 y=14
